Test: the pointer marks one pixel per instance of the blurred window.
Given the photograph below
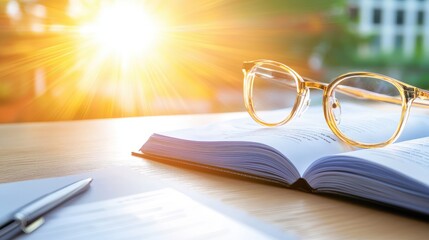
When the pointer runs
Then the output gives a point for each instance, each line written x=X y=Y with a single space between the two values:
x=420 y=17
x=400 y=15
x=376 y=16
x=354 y=13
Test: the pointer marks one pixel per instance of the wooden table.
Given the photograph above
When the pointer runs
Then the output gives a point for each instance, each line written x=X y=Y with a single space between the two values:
x=38 y=150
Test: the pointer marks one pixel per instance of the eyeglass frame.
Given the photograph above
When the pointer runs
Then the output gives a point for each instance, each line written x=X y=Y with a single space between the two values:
x=408 y=94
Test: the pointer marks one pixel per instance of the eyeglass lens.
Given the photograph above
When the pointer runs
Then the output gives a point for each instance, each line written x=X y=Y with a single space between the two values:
x=372 y=119
x=274 y=88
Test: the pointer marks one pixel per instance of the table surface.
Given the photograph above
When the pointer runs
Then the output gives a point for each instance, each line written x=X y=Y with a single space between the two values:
x=39 y=150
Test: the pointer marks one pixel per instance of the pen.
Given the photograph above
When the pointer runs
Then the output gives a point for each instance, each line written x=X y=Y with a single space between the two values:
x=30 y=217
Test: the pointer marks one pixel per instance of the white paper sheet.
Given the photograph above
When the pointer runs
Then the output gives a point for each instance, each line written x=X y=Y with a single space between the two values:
x=158 y=214
x=132 y=204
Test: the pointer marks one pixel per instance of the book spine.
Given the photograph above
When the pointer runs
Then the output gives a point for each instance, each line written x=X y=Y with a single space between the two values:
x=302 y=185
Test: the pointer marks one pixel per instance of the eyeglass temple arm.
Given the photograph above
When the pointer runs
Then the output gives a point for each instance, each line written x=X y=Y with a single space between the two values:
x=361 y=93
x=423 y=94
x=422 y=99
x=274 y=76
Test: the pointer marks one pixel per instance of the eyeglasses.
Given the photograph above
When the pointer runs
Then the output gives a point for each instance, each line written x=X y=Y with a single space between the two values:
x=364 y=109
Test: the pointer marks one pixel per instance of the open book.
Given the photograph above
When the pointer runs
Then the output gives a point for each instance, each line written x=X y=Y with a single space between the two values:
x=305 y=154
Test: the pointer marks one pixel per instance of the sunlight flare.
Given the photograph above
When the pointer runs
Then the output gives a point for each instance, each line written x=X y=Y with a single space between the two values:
x=131 y=58
x=124 y=29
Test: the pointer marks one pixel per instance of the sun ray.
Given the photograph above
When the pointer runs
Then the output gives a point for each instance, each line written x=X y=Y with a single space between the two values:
x=131 y=58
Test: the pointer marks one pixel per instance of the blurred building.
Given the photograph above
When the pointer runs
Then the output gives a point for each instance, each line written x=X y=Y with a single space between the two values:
x=395 y=26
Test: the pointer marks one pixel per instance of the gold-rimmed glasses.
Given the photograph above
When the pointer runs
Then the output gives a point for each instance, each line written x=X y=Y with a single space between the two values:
x=272 y=85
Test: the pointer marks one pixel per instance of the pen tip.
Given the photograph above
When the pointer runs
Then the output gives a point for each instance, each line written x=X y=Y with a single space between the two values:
x=88 y=180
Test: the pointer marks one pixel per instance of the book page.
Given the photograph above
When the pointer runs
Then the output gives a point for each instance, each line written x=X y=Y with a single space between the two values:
x=410 y=158
x=302 y=140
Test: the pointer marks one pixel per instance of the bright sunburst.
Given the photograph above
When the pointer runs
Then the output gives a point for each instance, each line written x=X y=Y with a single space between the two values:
x=133 y=58
x=125 y=29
